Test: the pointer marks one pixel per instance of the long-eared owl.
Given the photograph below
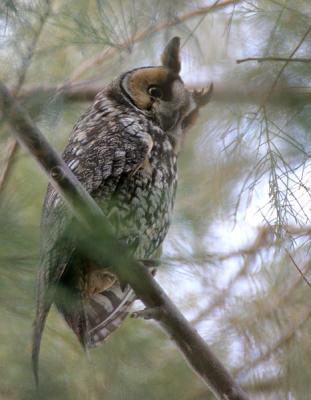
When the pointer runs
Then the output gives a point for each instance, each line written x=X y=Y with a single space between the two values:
x=123 y=149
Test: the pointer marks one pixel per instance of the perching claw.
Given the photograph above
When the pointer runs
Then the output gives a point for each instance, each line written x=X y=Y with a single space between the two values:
x=200 y=98
x=203 y=96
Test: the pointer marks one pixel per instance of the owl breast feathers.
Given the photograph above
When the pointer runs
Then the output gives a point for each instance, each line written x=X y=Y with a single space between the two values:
x=123 y=149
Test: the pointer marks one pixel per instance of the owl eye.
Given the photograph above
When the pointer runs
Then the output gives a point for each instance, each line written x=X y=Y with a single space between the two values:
x=155 y=91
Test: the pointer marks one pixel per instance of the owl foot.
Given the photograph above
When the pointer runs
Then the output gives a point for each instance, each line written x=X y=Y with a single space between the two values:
x=98 y=281
x=202 y=97
x=152 y=265
x=148 y=313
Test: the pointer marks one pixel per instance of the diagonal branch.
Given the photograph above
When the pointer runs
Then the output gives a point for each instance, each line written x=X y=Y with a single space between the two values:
x=97 y=227
x=85 y=91
x=10 y=151
x=301 y=41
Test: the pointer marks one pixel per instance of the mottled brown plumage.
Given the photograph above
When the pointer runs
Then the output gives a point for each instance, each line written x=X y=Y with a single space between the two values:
x=123 y=149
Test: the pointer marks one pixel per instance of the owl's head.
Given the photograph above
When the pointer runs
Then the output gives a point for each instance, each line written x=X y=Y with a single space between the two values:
x=160 y=91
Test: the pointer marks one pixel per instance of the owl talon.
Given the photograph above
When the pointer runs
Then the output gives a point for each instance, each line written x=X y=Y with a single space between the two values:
x=202 y=97
x=151 y=263
x=148 y=313
x=123 y=285
x=99 y=280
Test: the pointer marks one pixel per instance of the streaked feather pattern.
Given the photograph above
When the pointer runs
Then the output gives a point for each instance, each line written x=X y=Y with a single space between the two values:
x=123 y=149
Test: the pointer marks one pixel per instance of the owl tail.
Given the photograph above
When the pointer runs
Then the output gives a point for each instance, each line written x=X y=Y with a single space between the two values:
x=41 y=315
x=94 y=318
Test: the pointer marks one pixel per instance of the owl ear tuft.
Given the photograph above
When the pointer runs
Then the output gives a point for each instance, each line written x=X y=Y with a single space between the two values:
x=170 y=57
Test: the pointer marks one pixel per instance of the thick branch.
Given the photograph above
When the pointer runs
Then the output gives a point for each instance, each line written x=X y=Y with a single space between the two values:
x=194 y=348
x=222 y=93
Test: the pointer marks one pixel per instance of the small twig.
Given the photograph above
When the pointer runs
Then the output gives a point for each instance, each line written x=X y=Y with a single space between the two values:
x=263 y=59
x=31 y=49
x=149 y=313
x=215 y=4
x=282 y=341
x=12 y=145
x=10 y=150
x=261 y=241
x=277 y=301
x=223 y=93
x=98 y=59
x=298 y=268
x=106 y=54
x=307 y=32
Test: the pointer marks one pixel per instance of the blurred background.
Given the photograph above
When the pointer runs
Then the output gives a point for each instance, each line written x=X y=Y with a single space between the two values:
x=237 y=257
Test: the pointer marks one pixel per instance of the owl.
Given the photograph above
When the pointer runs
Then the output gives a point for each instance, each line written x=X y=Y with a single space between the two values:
x=124 y=150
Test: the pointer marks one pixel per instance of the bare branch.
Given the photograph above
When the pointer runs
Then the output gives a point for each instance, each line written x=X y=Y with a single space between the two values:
x=300 y=271
x=222 y=93
x=301 y=41
x=263 y=59
x=10 y=150
x=84 y=92
x=26 y=61
x=96 y=225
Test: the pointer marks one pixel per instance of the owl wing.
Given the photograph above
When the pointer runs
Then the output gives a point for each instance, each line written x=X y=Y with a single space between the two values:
x=103 y=147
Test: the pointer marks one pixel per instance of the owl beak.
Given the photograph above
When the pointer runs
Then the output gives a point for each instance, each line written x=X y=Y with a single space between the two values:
x=168 y=121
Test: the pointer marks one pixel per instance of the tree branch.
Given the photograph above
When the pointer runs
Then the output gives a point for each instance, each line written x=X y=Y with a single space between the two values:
x=12 y=145
x=263 y=59
x=89 y=94
x=301 y=41
x=278 y=301
x=222 y=93
x=10 y=151
x=281 y=342
x=97 y=228
x=106 y=54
